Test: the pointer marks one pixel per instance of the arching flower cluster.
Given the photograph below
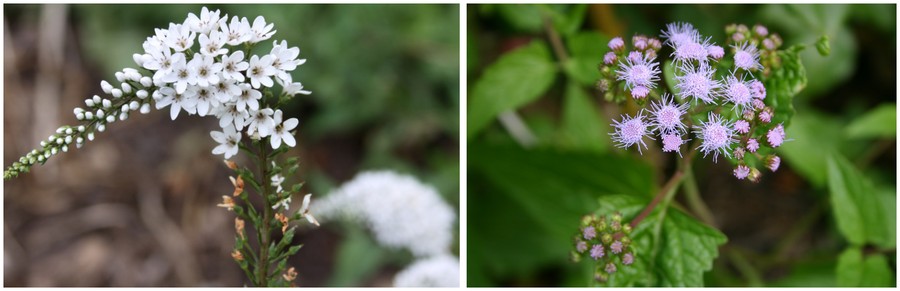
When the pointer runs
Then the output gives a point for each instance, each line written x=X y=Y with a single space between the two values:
x=606 y=241
x=201 y=66
x=720 y=98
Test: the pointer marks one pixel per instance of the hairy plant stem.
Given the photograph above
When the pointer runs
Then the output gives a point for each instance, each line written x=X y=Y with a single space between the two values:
x=262 y=263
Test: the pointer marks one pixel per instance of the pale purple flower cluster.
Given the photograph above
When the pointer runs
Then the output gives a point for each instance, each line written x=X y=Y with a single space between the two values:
x=699 y=91
x=605 y=241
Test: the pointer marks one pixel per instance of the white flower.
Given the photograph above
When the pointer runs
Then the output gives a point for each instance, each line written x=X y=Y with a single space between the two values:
x=261 y=122
x=260 y=71
x=228 y=141
x=277 y=180
x=283 y=131
x=284 y=59
x=248 y=98
x=233 y=65
x=177 y=101
x=260 y=31
x=205 y=100
x=161 y=61
x=229 y=114
x=181 y=76
x=179 y=37
x=226 y=91
x=208 y=21
x=436 y=271
x=211 y=45
x=304 y=210
x=237 y=32
x=205 y=70
x=292 y=89
x=286 y=203
x=401 y=211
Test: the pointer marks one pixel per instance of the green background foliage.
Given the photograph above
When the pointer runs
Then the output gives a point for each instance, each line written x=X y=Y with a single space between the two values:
x=826 y=218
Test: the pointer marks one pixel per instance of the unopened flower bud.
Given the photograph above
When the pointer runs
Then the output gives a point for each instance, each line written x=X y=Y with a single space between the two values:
x=97 y=99
x=754 y=175
x=138 y=59
x=610 y=267
x=90 y=136
x=120 y=76
x=231 y=165
x=142 y=94
x=737 y=37
x=116 y=93
x=107 y=103
x=107 y=88
x=760 y=30
x=609 y=58
x=772 y=162
x=68 y=139
x=628 y=259
x=89 y=102
x=145 y=108
x=146 y=81
x=100 y=113
x=123 y=116
x=616 y=44
x=741 y=172
x=101 y=127
x=126 y=88
x=606 y=238
x=69 y=130
x=134 y=105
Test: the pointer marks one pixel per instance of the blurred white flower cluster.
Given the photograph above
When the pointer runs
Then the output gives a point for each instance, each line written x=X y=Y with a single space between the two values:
x=436 y=271
x=401 y=213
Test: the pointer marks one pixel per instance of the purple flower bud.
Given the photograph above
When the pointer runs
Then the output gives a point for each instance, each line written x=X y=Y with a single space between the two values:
x=772 y=162
x=639 y=41
x=748 y=114
x=589 y=232
x=616 y=247
x=742 y=126
x=757 y=89
x=654 y=44
x=739 y=153
x=715 y=51
x=597 y=251
x=672 y=143
x=610 y=268
x=760 y=30
x=609 y=58
x=741 y=172
x=628 y=259
x=752 y=145
x=769 y=44
x=737 y=37
x=581 y=246
x=775 y=136
x=616 y=44
x=635 y=56
x=639 y=92
x=766 y=115
x=758 y=104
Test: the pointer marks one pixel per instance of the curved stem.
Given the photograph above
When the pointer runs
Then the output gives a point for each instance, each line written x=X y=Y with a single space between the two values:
x=666 y=192
x=695 y=202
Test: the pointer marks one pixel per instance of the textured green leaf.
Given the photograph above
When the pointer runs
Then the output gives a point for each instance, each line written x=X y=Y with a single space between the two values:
x=813 y=138
x=855 y=270
x=879 y=122
x=516 y=79
x=686 y=247
x=784 y=83
x=586 y=51
x=566 y=18
x=857 y=206
x=525 y=205
x=582 y=127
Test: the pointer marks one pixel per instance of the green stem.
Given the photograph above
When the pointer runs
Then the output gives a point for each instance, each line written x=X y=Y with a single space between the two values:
x=262 y=264
x=745 y=268
x=695 y=202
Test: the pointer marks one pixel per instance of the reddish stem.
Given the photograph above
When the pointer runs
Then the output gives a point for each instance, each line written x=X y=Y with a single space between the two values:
x=659 y=197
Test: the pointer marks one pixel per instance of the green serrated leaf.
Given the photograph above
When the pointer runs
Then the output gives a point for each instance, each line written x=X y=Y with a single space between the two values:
x=784 y=83
x=857 y=207
x=856 y=270
x=582 y=127
x=586 y=50
x=880 y=122
x=516 y=79
x=686 y=251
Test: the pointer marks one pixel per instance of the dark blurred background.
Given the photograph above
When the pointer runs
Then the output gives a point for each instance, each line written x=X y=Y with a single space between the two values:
x=781 y=231
x=136 y=207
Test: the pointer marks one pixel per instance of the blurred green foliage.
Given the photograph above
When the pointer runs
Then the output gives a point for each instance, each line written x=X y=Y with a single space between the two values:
x=385 y=83
x=524 y=203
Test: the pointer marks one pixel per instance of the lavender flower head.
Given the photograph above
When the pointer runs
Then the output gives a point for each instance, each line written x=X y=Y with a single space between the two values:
x=717 y=136
x=638 y=72
x=742 y=126
x=630 y=131
x=597 y=251
x=589 y=232
x=776 y=136
x=616 y=44
x=741 y=172
x=628 y=259
x=694 y=50
x=666 y=115
x=746 y=57
x=715 y=52
x=616 y=247
x=609 y=58
x=757 y=89
x=737 y=91
x=581 y=246
x=752 y=145
x=677 y=33
x=610 y=267
x=672 y=143
x=697 y=82
x=772 y=162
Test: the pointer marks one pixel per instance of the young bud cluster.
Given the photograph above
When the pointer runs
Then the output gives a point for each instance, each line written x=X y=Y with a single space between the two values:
x=606 y=241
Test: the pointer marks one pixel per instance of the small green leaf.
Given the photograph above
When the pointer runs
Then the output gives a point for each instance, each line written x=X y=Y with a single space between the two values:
x=586 y=51
x=566 y=18
x=880 y=122
x=582 y=127
x=525 y=18
x=857 y=206
x=854 y=270
x=686 y=247
x=358 y=257
x=823 y=46
x=516 y=79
